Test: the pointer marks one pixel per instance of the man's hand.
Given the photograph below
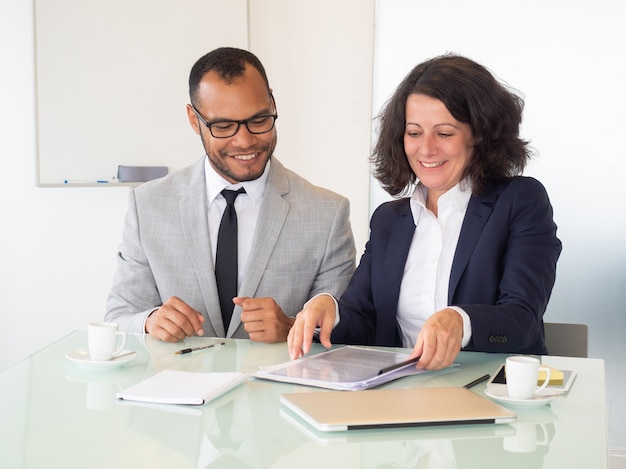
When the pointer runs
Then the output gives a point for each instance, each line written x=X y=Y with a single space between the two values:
x=263 y=319
x=318 y=312
x=439 y=341
x=174 y=321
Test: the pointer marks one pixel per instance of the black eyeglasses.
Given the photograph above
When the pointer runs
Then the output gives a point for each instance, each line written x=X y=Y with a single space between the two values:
x=260 y=124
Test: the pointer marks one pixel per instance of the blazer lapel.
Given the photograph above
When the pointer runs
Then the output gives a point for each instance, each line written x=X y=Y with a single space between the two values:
x=272 y=215
x=193 y=218
x=392 y=272
x=478 y=212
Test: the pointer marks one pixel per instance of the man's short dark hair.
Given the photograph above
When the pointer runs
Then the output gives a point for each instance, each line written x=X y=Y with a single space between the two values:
x=228 y=62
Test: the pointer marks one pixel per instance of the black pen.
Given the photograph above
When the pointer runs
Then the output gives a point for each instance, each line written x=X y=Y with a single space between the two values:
x=477 y=381
x=193 y=349
x=398 y=365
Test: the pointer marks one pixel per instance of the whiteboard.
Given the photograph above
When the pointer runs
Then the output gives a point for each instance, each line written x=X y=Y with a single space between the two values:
x=111 y=81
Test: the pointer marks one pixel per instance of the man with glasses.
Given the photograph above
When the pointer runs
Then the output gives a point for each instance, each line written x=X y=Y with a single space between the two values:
x=291 y=240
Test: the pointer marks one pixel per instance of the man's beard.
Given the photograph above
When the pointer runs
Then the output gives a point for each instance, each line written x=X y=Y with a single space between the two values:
x=219 y=162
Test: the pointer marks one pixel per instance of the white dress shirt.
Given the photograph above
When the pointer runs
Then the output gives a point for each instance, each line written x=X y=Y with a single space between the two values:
x=424 y=288
x=247 y=206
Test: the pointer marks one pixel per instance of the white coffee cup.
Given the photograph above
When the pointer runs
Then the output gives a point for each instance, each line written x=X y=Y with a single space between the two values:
x=102 y=338
x=522 y=374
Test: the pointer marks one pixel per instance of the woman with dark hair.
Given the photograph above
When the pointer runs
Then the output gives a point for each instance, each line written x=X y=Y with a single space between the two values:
x=468 y=262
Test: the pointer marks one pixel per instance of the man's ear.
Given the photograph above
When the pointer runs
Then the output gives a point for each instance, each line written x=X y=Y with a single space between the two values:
x=193 y=119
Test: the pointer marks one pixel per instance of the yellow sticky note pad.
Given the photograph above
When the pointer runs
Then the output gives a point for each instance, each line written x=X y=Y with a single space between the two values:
x=556 y=377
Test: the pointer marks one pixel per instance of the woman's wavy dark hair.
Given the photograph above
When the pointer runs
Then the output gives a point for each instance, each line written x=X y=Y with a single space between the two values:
x=473 y=96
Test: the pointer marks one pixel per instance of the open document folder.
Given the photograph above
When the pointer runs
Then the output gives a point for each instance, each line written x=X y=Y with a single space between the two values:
x=346 y=368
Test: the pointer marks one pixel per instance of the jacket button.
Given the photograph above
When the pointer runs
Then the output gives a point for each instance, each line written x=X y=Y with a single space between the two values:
x=497 y=339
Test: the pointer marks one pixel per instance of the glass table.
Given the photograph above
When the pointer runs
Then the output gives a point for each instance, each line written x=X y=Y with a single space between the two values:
x=59 y=414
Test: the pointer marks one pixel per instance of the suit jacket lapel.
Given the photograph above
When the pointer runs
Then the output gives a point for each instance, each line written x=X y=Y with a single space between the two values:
x=272 y=215
x=393 y=270
x=193 y=218
x=478 y=212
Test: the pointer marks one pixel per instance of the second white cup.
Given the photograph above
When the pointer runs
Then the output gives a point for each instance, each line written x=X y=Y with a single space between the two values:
x=102 y=338
x=522 y=374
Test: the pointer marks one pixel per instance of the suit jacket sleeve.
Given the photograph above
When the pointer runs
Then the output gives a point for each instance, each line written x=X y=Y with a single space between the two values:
x=507 y=281
x=368 y=306
x=337 y=264
x=134 y=293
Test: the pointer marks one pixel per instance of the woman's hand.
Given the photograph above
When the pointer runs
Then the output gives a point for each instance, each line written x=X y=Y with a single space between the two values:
x=439 y=341
x=318 y=312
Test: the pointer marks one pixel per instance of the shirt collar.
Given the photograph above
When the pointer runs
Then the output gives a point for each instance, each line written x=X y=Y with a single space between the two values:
x=215 y=183
x=458 y=197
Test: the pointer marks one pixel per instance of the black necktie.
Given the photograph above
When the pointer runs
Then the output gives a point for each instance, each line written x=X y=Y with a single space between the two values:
x=226 y=257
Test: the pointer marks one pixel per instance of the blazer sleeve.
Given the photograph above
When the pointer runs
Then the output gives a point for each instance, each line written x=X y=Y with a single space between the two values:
x=367 y=309
x=337 y=265
x=356 y=310
x=508 y=280
x=133 y=294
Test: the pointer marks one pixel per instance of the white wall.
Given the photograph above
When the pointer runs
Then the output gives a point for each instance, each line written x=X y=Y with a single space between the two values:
x=569 y=61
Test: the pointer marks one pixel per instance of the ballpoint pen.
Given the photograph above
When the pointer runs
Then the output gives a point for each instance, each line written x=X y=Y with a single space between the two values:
x=193 y=349
x=477 y=381
x=398 y=365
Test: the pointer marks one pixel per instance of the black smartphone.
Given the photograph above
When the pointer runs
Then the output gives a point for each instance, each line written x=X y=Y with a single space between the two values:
x=498 y=377
x=568 y=377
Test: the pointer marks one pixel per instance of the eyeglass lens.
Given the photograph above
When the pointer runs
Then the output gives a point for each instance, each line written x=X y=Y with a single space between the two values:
x=255 y=125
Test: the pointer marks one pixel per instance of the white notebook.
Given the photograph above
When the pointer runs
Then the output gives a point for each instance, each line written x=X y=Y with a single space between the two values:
x=182 y=387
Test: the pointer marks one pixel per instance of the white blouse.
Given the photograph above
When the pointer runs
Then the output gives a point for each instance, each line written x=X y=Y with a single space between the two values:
x=424 y=288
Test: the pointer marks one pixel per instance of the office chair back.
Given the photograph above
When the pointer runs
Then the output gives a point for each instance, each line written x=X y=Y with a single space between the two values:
x=566 y=340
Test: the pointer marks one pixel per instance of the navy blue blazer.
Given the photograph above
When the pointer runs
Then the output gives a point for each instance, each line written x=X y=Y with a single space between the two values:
x=502 y=274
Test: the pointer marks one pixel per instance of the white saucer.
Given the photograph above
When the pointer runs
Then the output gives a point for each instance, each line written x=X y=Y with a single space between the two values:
x=82 y=358
x=501 y=395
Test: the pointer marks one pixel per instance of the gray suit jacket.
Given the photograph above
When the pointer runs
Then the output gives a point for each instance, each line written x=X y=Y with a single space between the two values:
x=303 y=245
